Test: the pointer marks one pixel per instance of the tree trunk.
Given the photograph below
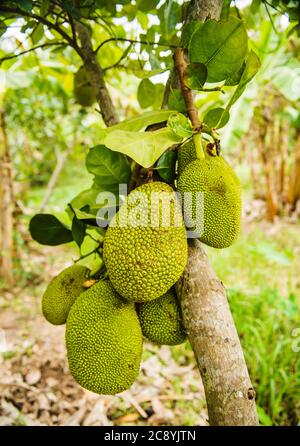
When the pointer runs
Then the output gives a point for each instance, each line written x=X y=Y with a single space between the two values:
x=210 y=328
x=207 y=318
x=6 y=207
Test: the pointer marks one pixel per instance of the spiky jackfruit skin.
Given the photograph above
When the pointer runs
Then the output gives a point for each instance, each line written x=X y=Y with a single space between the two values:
x=62 y=292
x=186 y=154
x=145 y=260
x=161 y=320
x=104 y=340
x=222 y=206
x=84 y=92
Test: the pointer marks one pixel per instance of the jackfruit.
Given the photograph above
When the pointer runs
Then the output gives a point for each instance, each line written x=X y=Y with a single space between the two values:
x=161 y=320
x=186 y=154
x=62 y=292
x=84 y=92
x=104 y=340
x=220 y=211
x=145 y=246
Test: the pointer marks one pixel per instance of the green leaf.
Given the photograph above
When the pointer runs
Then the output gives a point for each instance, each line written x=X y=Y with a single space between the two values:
x=139 y=122
x=84 y=198
x=180 y=125
x=195 y=76
x=251 y=68
x=221 y=46
x=169 y=15
x=216 y=118
x=166 y=166
x=144 y=147
x=255 y=5
x=44 y=7
x=81 y=215
x=93 y=220
x=147 y=5
x=235 y=78
x=176 y=100
x=188 y=30
x=146 y=93
x=109 y=167
x=78 y=230
x=3 y=28
x=46 y=229
x=37 y=33
x=264 y=418
x=159 y=94
x=99 y=187
x=25 y=5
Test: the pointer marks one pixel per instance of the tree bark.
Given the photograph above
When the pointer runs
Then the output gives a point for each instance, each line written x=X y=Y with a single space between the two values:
x=6 y=207
x=210 y=328
x=208 y=321
x=203 y=10
x=96 y=76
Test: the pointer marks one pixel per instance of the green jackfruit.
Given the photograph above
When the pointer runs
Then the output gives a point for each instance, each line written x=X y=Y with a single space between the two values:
x=62 y=292
x=145 y=246
x=84 y=92
x=161 y=320
x=104 y=340
x=186 y=154
x=222 y=205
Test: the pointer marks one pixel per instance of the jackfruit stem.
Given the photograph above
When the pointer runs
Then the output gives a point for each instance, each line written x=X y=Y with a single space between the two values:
x=197 y=138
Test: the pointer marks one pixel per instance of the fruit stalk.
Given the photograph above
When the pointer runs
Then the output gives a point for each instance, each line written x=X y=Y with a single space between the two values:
x=180 y=65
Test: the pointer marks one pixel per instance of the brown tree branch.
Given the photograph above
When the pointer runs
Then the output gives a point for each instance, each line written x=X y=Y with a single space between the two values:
x=180 y=65
x=44 y=45
x=96 y=75
x=123 y=39
x=46 y=22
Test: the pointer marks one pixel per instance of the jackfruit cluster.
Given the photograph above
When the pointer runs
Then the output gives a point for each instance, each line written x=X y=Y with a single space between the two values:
x=215 y=215
x=161 y=320
x=84 y=92
x=145 y=246
x=145 y=253
x=62 y=292
x=104 y=340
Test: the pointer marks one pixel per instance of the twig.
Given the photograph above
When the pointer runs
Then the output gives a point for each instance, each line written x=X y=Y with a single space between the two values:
x=116 y=64
x=44 y=45
x=274 y=7
x=129 y=399
x=71 y=21
x=123 y=39
x=270 y=17
x=46 y=22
